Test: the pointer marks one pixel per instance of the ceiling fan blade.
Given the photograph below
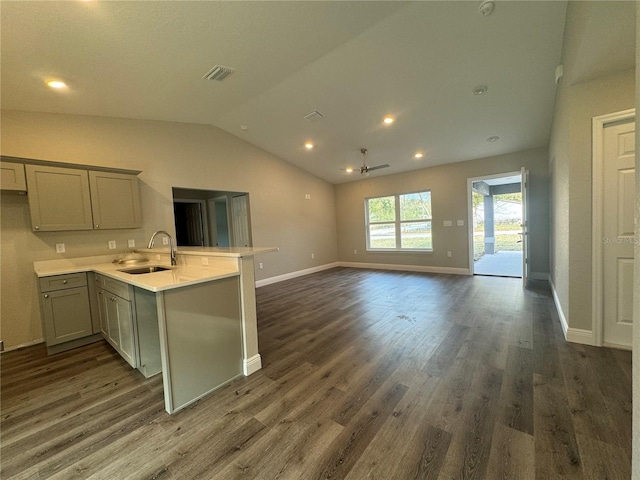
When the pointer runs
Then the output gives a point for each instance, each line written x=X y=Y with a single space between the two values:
x=377 y=167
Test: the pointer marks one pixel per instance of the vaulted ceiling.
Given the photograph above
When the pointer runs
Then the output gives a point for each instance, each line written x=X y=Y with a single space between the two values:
x=354 y=62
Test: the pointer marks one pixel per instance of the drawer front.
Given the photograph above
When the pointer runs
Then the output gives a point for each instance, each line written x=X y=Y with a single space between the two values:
x=62 y=282
x=116 y=287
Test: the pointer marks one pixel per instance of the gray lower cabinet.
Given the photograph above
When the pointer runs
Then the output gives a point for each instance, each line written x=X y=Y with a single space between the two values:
x=66 y=314
x=117 y=317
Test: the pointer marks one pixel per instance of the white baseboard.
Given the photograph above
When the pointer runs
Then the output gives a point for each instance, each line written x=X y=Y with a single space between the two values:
x=251 y=365
x=22 y=345
x=407 y=268
x=574 y=335
x=373 y=266
x=290 y=275
x=539 y=276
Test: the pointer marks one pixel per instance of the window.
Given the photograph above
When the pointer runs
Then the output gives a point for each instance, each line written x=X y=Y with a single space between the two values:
x=399 y=222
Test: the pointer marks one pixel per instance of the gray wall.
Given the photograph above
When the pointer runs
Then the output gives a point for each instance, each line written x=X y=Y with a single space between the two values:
x=570 y=168
x=169 y=154
x=448 y=185
x=636 y=306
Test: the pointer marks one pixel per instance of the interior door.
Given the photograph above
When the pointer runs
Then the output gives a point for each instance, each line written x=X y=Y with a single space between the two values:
x=240 y=208
x=618 y=233
x=525 y=224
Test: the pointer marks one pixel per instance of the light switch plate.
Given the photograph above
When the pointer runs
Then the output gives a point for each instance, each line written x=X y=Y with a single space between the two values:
x=131 y=243
x=461 y=223
x=205 y=261
x=447 y=223
x=60 y=248
x=112 y=244
x=165 y=241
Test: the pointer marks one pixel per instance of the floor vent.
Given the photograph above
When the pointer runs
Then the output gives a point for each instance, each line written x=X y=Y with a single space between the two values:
x=218 y=73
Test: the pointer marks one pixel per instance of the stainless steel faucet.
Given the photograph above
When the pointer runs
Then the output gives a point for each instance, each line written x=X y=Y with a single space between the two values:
x=172 y=244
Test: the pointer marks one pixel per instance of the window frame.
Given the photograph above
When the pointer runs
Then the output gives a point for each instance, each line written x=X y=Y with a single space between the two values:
x=397 y=223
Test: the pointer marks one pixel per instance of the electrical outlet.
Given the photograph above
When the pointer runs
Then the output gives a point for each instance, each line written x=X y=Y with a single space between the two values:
x=461 y=223
x=112 y=244
x=447 y=223
x=205 y=261
x=307 y=196
x=313 y=255
x=131 y=243
x=60 y=248
x=449 y=254
x=261 y=265
x=355 y=251
x=165 y=241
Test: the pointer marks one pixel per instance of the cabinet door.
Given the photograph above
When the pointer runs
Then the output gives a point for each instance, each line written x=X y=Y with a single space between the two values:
x=12 y=178
x=103 y=298
x=66 y=315
x=127 y=335
x=58 y=198
x=115 y=199
x=113 y=328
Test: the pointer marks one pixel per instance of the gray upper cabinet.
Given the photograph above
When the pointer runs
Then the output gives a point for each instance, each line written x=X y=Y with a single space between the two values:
x=115 y=200
x=12 y=177
x=59 y=198
x=63 y=198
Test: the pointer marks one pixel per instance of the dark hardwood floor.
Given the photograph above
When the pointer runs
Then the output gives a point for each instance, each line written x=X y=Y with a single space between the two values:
x=367 y=375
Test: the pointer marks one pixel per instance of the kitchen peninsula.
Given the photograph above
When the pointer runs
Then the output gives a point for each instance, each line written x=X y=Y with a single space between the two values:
x=195 y=321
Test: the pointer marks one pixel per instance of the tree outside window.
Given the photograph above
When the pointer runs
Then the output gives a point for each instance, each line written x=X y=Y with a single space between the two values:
x=399 y=222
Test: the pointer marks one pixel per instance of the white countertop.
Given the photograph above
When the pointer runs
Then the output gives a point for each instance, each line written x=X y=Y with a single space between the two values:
x=179 y=276
x=235 y=252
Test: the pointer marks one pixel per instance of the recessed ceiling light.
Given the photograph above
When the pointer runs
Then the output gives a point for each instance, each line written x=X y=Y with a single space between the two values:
x=418 y=155
x=349 y=170
x=388 y=120
x=480 y=90
x=493 y=139
x=308 y=146
x=56 y=84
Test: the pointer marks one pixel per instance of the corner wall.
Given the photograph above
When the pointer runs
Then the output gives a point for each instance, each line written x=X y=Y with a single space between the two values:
x=169 y=154
x=571 y=179
x=448 y=185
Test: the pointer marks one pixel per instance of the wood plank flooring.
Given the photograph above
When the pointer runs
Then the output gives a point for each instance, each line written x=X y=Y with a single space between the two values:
x=367 y=375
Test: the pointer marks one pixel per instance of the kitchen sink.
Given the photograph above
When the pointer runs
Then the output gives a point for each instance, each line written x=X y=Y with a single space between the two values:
x=141 y=270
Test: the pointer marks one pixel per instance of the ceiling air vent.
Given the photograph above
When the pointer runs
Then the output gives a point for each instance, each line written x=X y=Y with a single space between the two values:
x=218 y=73
x=314 y=116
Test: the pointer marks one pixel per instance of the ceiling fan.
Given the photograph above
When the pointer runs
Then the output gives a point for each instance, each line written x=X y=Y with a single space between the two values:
x=365 y=169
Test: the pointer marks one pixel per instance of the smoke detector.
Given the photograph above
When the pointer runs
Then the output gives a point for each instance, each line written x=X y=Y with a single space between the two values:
x=486 y=8
x=218 y=73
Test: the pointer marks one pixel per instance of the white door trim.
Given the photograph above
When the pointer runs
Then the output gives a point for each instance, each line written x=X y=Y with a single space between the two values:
x=599 y=123
x=470 y=208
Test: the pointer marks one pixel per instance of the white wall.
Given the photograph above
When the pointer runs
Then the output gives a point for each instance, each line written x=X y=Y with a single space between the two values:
x=169 y=154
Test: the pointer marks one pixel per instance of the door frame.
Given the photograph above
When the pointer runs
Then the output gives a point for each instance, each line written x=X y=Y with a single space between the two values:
x=203 y=215
x=470 y=208
x=599 y=123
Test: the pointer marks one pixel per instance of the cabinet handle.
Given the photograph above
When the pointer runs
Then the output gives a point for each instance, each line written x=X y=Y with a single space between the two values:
x=64 y=282
x=36 y=227
x=46 y=296
x=99 y=293
x=97 y=226
x=113 y=299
